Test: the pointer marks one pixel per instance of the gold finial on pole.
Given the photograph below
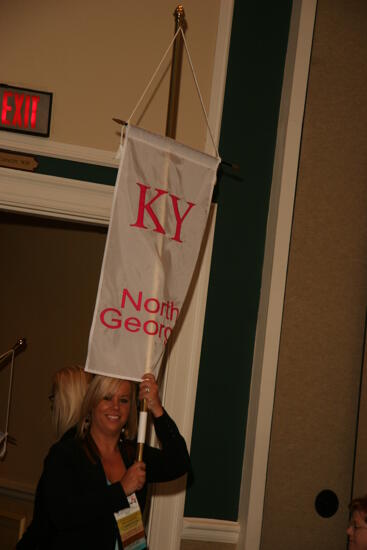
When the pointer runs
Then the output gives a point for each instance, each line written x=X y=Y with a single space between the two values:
x=174 y=88
x=179 y=14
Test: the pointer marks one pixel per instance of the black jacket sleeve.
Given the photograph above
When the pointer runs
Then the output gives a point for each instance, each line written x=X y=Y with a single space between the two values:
x=172 y=460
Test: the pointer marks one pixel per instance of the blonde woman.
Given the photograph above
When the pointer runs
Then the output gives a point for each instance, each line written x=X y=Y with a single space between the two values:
x=69 y=386
x=92 y=481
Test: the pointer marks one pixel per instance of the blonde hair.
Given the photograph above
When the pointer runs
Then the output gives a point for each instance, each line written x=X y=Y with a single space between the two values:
x=69 y=388
x=97 y=390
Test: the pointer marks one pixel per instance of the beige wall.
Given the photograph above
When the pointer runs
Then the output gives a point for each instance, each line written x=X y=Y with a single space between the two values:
x=97 y=57
x=316 y=400
x=48 y=290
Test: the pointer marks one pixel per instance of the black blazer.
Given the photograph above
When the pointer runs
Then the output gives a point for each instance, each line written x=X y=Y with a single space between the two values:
x=74 y=506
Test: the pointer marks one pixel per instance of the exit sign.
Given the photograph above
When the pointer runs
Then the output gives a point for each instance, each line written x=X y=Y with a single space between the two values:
x=25 y=111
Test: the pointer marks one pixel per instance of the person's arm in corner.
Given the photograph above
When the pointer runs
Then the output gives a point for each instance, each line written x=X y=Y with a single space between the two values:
x=172 y=460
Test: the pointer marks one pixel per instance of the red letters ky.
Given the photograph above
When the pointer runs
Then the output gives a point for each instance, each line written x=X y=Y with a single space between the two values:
x=145 y=207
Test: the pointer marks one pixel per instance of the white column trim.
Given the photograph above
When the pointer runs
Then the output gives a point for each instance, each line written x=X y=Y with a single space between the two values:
x=167 y=506
x=183 y=367
x=274 y=274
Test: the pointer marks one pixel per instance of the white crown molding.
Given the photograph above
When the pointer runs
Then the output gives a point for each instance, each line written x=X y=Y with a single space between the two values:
x=50 y=196
x=43 y=146
x=210 y=530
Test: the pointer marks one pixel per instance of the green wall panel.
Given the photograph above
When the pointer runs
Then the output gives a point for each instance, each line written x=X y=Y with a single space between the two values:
x=248 y=136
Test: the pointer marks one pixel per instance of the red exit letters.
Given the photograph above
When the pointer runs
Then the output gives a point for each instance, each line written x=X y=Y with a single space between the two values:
x=19 y=110
x=25 y=111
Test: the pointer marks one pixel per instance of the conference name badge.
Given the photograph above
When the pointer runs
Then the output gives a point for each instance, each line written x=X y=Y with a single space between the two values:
x=130 y=524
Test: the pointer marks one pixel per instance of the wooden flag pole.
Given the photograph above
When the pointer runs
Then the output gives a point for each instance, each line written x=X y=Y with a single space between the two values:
x=172 y=111
x=174 y=88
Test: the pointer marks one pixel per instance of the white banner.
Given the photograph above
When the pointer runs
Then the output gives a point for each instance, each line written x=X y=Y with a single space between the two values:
x=159 y=213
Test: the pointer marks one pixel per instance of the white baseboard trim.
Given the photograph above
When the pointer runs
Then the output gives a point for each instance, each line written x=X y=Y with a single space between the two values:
x=16 y=491
x=210 y=530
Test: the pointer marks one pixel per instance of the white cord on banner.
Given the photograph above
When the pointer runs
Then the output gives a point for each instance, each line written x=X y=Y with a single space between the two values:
x=198 y=91
x=5 y=434
x=154 y=75
x=195 y=80
x=119 y=149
